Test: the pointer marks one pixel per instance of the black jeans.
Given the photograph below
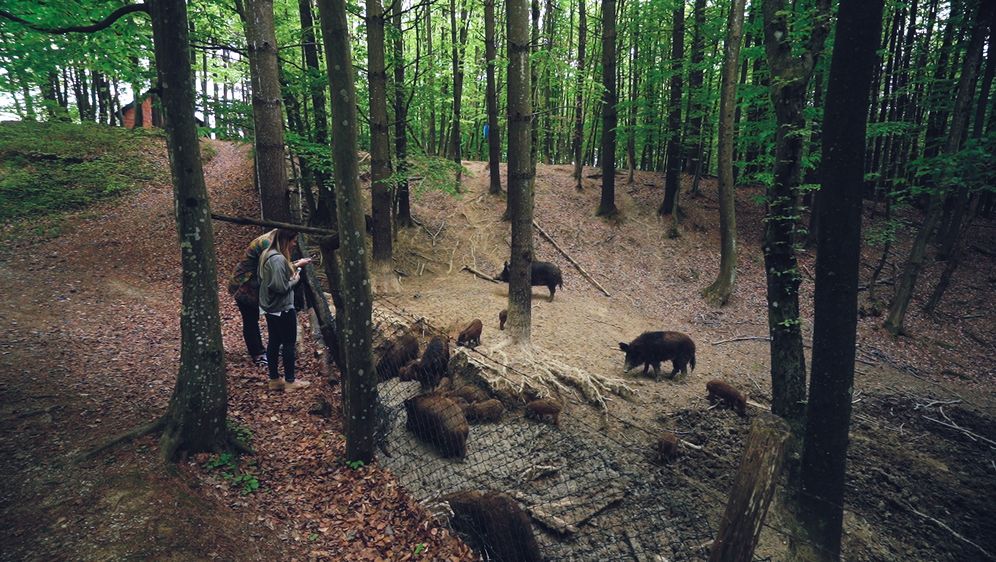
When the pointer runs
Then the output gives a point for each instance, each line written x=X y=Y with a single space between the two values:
x=250 y=328
x=283 y=338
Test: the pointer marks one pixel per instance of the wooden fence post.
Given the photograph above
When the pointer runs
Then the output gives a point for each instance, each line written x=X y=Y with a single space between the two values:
x=752 y=491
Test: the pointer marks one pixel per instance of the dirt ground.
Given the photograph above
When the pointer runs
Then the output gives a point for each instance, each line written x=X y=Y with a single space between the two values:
x=89 y=346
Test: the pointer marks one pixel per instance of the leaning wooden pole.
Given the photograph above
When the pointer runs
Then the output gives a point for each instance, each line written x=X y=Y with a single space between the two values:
x=576 y=265
x=752 y=491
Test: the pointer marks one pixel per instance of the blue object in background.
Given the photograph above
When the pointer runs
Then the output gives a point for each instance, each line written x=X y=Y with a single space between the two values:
x=486 y=131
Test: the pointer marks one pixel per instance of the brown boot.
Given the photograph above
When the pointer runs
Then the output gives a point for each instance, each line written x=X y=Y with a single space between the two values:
x=277 y=384
x=292 y=386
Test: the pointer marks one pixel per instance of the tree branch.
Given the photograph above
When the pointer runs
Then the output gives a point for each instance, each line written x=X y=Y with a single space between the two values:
x=102 y=24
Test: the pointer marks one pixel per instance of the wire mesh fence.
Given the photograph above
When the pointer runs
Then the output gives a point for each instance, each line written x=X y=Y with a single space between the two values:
x=515 y=481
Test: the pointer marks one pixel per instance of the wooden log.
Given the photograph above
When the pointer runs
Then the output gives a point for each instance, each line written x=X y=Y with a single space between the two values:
x=753 y=489
x=290 y=226
x=316 y=300
x=480 y=274
x=576 y=265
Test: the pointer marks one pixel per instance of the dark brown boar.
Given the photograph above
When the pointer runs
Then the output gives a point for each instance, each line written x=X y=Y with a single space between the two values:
x=494 y=524
x=544 y=409
x=398 y=352
x=502 y=318
x=435 y=360
x=666 y=447
x=409 y=372
x=719 y=390
x=488 y=411
x=471 y=335
x=650 y=349
x=439 y=421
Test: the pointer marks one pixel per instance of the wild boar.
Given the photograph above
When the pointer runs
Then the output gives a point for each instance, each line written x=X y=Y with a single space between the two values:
x=471 y=335
x=666 y=448
x=719 y=390
x=652 y=348
x=495 y=525
x=436 y=358
x=542 y=273
x=440 y=422
x=398 y=352
x=488 y=411
x=544 y=409
x=502 y=318
x=470 y=393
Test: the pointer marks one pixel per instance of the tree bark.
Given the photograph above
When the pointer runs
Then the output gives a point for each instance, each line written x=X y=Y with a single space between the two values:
x=520 y=170
x=859 y=26
x=195 y=417
x=459 y=50
x=316 y=85
x=718 y=293
x=579 y=95
x=403 y=218
x=271 y=173
x=959 y=126
x=672 y=178
x=696 y=73
x=360 y=386
x=790 y=76
x=757 y=477
x=607 y=203
x=494 y=136
x=380 y=141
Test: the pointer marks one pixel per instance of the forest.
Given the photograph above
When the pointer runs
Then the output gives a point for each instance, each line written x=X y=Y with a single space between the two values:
x=482 y=204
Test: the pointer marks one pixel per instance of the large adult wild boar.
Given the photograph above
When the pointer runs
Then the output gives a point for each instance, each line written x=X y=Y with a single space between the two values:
x=439 y=421
x=653 y=348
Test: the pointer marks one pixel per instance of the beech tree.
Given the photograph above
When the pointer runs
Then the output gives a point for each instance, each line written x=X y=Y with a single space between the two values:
x=672 y=178
x=360 y=378
x=791 y=68
x=380 y=139
x=859 y=25
x=520 y=170
x=719 y=291
x=494 y=138
x=607 y=156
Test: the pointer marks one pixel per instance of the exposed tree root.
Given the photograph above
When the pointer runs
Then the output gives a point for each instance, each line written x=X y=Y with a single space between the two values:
x=126 y=437
x=519 y=367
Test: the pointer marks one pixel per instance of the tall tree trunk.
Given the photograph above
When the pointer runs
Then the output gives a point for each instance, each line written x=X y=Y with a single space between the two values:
x=431 y=148
x=271 y=173
x=959 y=126
x=403 y=197
x=380 y=138
x=494 y=136
x=695 y=79
x=719 y=292
x=790 y=76
x=316 y=86
x=672 y=179
x=549 y=110
x=859 y=25
x=204 y=89
x=579 y=95
x=520 y=170
x=607 y=203
x=459 y=50
x=634 y=86
x=195 y=417
x=360 y=386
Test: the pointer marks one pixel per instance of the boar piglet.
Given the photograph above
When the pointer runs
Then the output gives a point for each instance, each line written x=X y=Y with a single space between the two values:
x=650 y=349
x=544 y=409
x=471 y=335
x=719 y=390
x=666 y=447
x=440 y=422
x=489 y=411
x=542 y=273
x=397 y=353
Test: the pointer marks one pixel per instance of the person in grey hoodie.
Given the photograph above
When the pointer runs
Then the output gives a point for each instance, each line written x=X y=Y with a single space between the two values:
x=277 y=277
